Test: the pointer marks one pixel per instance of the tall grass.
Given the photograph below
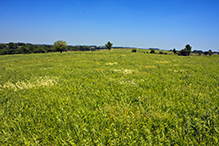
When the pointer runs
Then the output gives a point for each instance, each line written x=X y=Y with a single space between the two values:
x=109 y=98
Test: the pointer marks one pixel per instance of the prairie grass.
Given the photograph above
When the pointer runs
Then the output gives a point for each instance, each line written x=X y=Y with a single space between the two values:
x=109 y=98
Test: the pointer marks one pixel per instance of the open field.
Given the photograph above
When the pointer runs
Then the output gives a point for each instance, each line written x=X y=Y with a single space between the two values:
x=109 y=98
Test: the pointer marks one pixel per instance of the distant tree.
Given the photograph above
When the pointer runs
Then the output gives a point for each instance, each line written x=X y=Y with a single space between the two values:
x=109 y=45
x=3 y=51
x=210 y=52
x=20 y=44
x=42 y=49
x=152 y=51
x=174 y=51
x=188 y=47
x=12 y=46
x=60 y=46
x=186 y=51
x=197 y=51
x=24 y=49
x=134 y=50
x=206 y=52
x=2 y=46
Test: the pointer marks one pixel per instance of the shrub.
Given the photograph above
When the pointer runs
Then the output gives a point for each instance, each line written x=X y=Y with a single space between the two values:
x=184 y=52
x=134 y=50
x=152 y=51
x=206 y=52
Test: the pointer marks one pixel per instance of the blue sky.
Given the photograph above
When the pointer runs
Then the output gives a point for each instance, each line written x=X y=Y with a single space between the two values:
x=164 y=24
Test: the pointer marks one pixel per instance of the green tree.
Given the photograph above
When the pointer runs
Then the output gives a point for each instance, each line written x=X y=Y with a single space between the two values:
x=206 y=52
x=186 y=51
x=210 y=52
x=174 y=51
x=109 y=45
x=60 y=46
x=25 y=50
x=134 y=50
x=12 y=48
x=2 y=46
x=188 y=47
x=152 y=51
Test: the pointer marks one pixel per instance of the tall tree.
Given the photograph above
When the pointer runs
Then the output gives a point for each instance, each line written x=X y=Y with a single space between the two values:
x=188 y=47
x=60 y=46
x=186 y=51
x=109 y=45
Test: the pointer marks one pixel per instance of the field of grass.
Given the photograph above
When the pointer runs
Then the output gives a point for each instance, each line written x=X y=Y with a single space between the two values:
x=109 y=98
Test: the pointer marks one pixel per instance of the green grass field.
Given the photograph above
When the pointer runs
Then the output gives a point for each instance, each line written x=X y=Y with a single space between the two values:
x=109 y=98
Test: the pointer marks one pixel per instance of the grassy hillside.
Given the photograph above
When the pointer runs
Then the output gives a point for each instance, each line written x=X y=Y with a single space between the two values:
x=109 y=98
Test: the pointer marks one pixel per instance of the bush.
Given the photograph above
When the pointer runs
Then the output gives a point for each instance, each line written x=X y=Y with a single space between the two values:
x=134 y=50
x=152 y=51
x=184 y=52
x=206 y=52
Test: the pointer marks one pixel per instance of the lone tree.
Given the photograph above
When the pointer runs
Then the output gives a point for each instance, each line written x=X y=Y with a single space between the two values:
x=109 y=45
x=210 y=52
x=152 y=51
x=60 y=46
x=188 y=47
x=186 y=51
x=174 y=51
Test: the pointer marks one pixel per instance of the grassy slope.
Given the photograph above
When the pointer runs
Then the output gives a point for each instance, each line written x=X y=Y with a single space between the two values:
x=102 y=97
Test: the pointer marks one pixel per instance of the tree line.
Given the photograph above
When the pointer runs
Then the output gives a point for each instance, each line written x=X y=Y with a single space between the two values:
x=61 y=46
x=188 y=50
x=26 y=48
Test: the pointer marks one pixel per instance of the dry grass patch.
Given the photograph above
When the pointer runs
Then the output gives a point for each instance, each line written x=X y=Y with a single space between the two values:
x=150 y=66
x=111 y=63
x=162 y=61
x=38 y=82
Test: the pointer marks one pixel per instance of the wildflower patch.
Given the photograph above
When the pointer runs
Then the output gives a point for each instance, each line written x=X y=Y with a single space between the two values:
x=38 y=82
x=111 y=63
x=125 y=71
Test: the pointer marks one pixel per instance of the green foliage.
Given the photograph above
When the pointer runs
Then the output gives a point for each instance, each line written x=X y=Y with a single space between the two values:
x=174 y=51
x=109 y=45
x=210 y=52
x=206 y=52
x=2 y=46
x=134 y=50
x=24 y=50
x=108 y=98
x=152 y=51
x=188 y=47
x=186 y=51
x=60 y=46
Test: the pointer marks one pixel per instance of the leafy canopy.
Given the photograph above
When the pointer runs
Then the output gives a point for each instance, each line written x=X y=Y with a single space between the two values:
x=109 y=45
x=60 y=46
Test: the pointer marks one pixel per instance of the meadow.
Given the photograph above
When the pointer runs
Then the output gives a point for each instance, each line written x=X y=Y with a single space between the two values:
x=109 y=98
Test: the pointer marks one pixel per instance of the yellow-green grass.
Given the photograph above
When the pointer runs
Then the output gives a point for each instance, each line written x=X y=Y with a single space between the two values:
x=109 y=98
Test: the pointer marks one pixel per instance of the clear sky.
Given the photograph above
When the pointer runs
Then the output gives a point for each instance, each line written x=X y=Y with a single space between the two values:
x=164 y=24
